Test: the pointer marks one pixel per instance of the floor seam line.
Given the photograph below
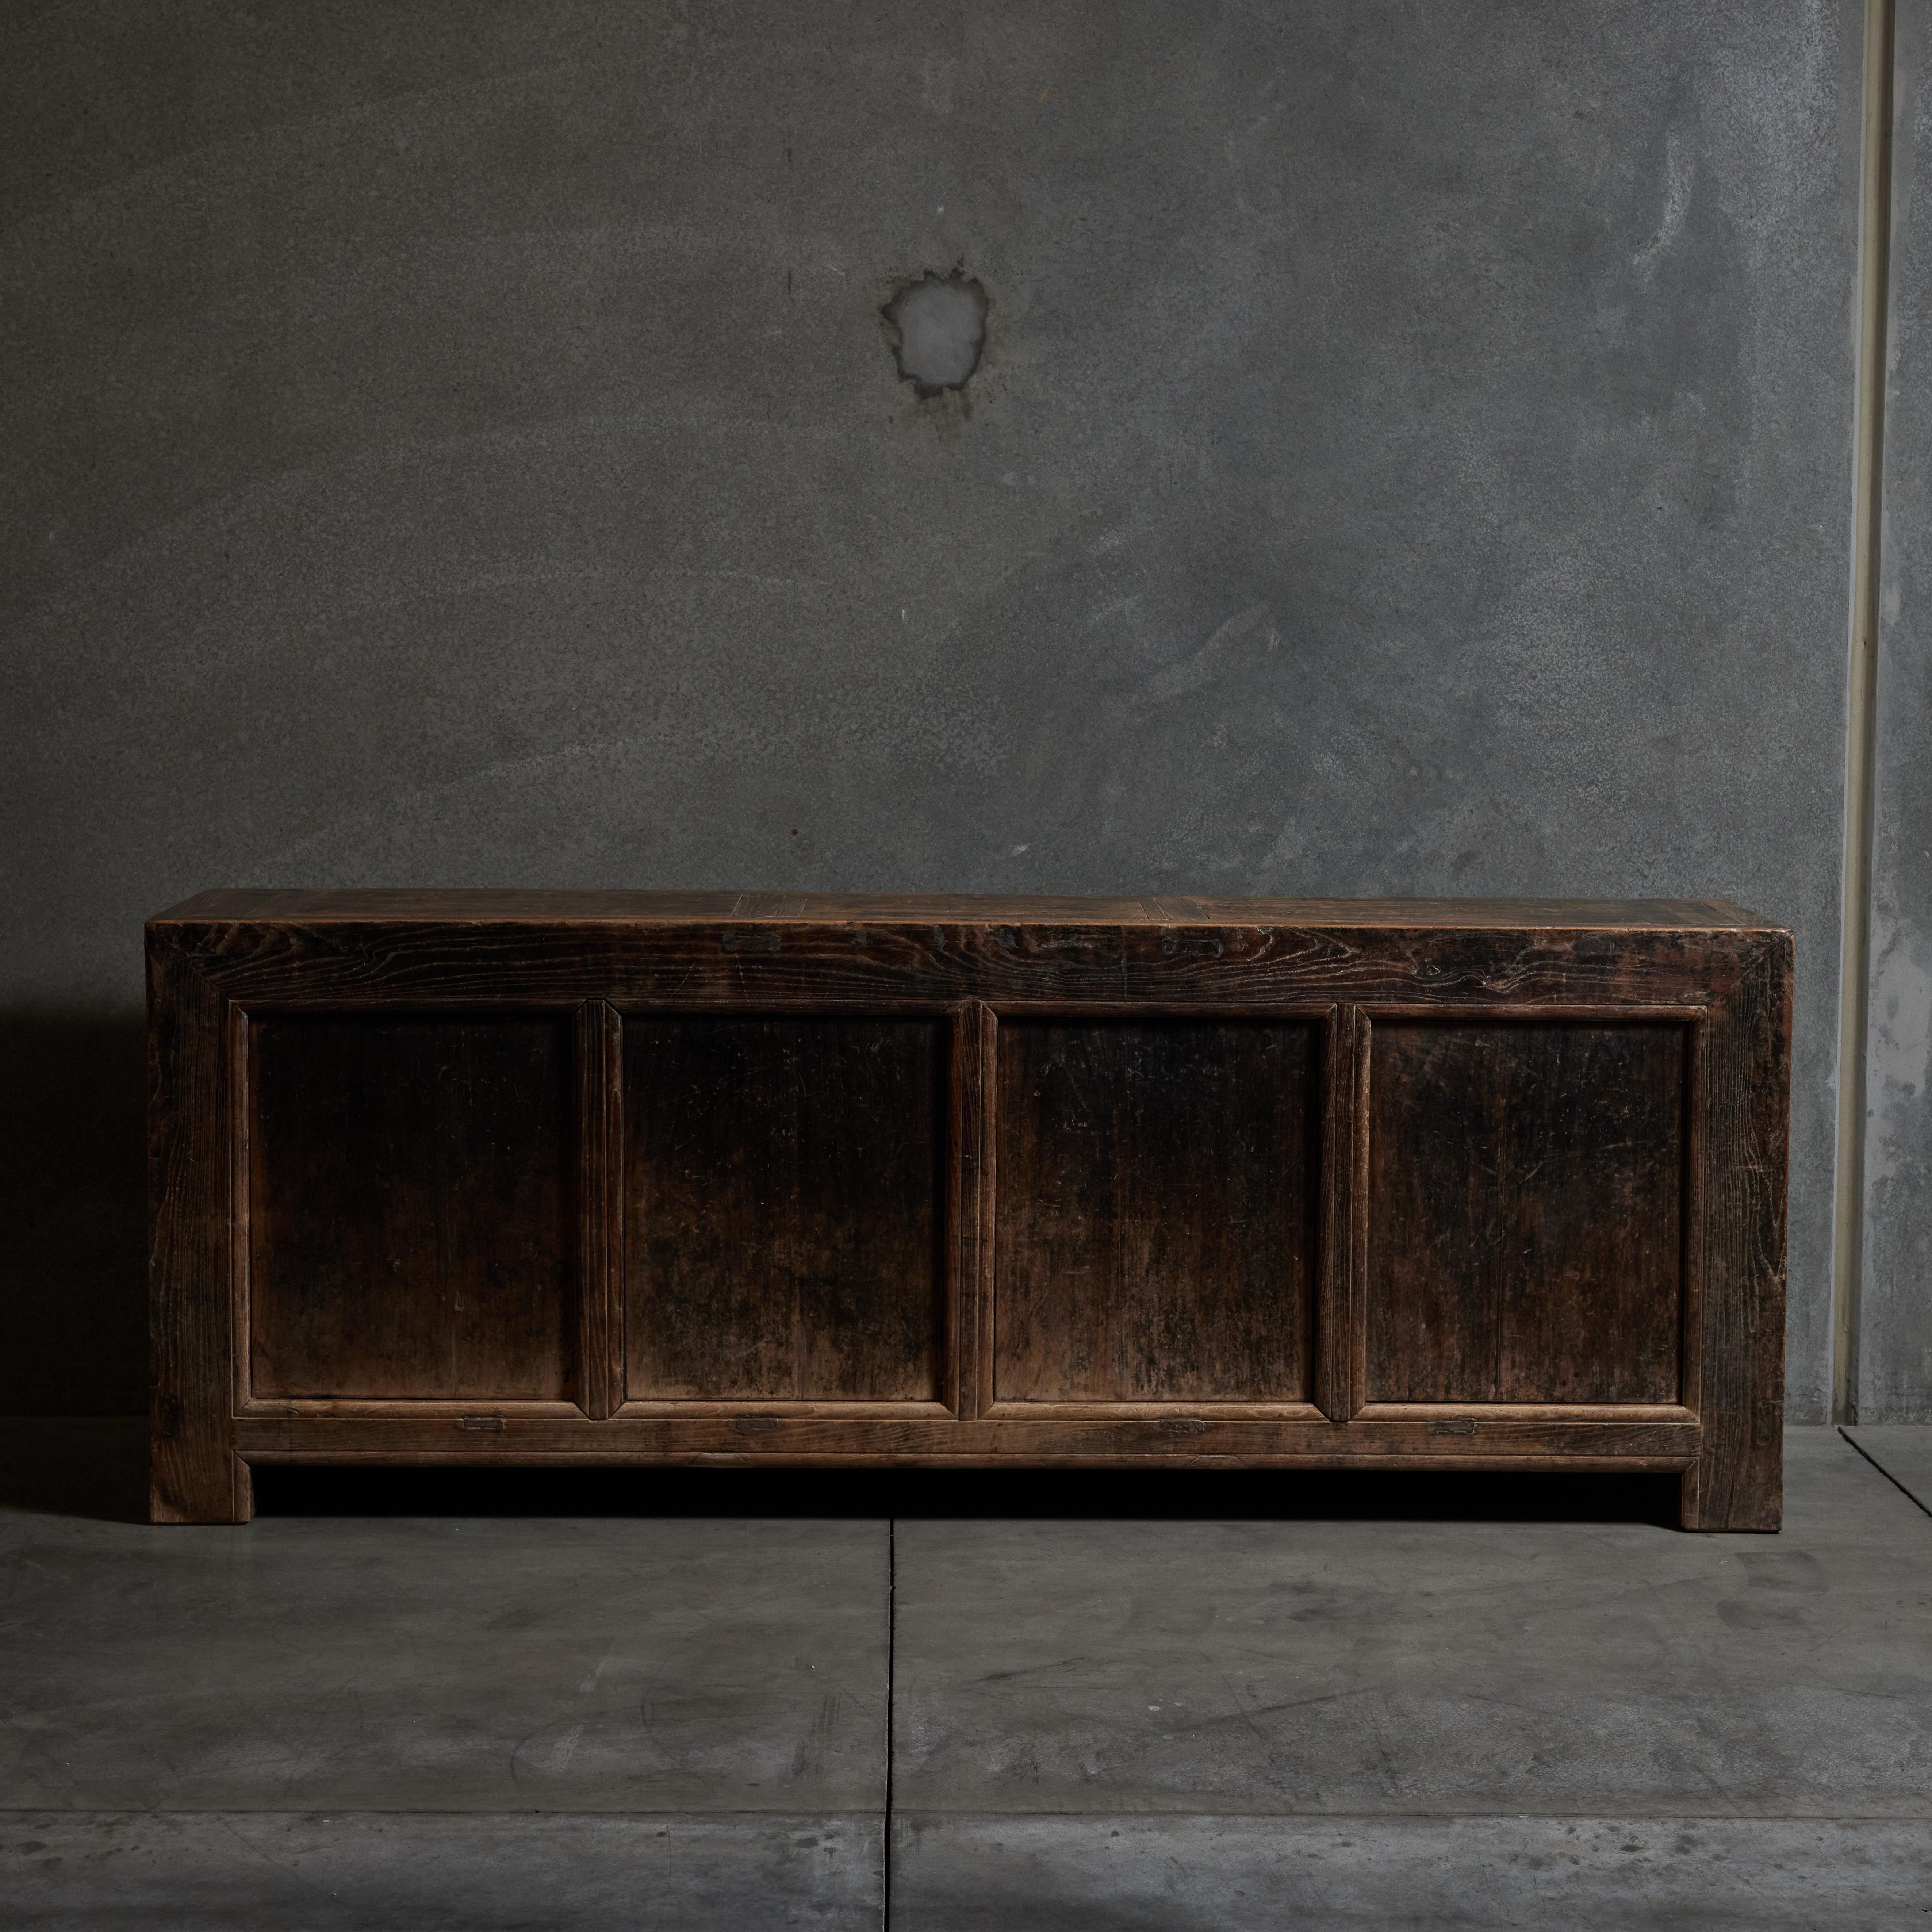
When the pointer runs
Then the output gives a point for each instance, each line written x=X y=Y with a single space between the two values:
x=1349 y=1818
x=1367 y=1818
x=330 y=1812
x=1907 y=1494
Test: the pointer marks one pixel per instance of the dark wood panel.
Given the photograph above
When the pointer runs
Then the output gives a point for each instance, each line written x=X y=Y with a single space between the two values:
x=1525 y=1209
x=783 y=1204
x=1157 y=1210
x=411 y=1225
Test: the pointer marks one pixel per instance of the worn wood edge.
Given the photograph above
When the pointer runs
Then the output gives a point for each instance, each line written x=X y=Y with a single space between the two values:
x=752 y=1002
x=945 y=1440
x=1667 y=1464
x=1270 y=975
x=410 y=1408
x=1180 y=1409
x=752 y=1408
x=1695 y=1514
x=1631 y=1012
x=460 y=905
x=1525 y=1412
x=444 y=1410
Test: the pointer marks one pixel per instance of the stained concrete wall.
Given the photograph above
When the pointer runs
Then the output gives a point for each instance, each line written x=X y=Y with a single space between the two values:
x=1893 y=1359
x=1411 y=454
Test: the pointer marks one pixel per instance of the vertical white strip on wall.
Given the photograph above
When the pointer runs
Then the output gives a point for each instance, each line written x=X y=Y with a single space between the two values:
x=1874 y=244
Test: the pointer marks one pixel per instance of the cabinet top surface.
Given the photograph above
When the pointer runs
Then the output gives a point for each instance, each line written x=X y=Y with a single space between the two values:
x=521 y=906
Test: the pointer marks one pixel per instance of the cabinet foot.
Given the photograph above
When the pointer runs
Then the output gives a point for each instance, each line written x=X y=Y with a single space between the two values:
x=1704 y=1505
x=228 y=1495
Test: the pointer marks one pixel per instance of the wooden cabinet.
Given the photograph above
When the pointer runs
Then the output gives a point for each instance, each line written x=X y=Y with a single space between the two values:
x=527 y=1177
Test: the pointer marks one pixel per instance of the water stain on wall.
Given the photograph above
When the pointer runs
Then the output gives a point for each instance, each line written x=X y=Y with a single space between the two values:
x=937 y=327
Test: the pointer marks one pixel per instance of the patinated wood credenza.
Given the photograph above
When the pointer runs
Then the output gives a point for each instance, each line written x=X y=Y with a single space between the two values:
x=552 y=1177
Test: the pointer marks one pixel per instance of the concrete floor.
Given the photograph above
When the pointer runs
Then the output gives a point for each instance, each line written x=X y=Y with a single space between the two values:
x=1379 y=1705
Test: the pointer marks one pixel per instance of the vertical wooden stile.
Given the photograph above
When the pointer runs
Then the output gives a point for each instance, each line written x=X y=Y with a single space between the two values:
x=1738 y=1482
x=195 y=1474
x=1331 y=1363
x=1354 y=1148
x=600 y=1062
x=241 y=1127
x=1696 y=1169
x=969 y=1210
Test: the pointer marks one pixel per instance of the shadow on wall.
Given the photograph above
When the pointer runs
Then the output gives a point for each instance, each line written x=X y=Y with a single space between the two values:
x=73 y=1322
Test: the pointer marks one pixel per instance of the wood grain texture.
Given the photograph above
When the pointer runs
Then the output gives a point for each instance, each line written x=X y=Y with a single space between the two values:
x=971 y=1182
x=409 y=1229
x=1159 y=1210
x=1341 y=1298
x=1470 y=1441
x=824 y=1290
x=784 y=1198
x=1738 y=1483
x=859 y=967
x=194 y=1473
x=1526 y=1192
x=599 y=1363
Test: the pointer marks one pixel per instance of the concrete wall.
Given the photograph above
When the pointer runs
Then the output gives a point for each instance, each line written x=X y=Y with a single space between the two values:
x=1894 y=1353
x=1411 y=454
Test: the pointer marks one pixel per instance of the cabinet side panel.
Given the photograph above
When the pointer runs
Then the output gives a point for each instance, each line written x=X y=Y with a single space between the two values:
x=194 y=1476
x=783 y=1199
x=410 y=1229
x=1526 y=1211
x=1739 y=1482
x=1158 y=1210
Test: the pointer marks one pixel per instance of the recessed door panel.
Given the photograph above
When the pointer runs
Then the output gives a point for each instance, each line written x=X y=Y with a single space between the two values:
x=408 y=1234
x=783 y=1203
x=1157 y=1211
x=1526 y=1211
